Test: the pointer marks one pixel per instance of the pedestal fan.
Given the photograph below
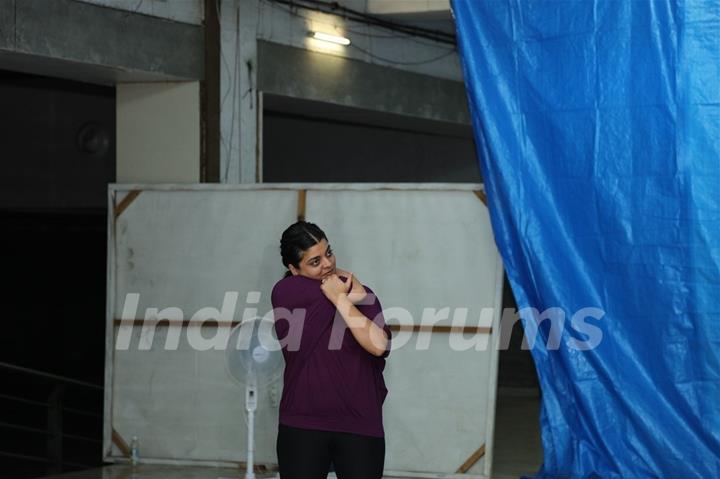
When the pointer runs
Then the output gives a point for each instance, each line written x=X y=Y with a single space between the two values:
x=254 y=361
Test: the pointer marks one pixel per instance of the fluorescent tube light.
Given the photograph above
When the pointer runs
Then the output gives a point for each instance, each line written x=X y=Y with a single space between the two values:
x=326 y=37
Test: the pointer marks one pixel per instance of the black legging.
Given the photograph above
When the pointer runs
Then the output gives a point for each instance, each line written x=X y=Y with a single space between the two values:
x=306 y=454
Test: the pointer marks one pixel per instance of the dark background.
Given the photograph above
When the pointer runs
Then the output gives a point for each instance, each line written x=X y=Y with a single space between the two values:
x=58 y=156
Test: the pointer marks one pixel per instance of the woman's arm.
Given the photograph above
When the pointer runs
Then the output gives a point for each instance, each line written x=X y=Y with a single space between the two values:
x=368 y=334
x=357 y=292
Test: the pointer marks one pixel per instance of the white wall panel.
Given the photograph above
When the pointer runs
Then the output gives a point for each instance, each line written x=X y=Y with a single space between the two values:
x=421 y=249
x=185 y=246
x=417 y=250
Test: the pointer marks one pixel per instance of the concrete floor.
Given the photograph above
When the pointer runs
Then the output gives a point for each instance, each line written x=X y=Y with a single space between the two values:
x=149 y=471
x=517 y=450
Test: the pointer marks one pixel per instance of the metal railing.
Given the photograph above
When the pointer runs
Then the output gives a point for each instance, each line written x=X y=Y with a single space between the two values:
x=54 y=408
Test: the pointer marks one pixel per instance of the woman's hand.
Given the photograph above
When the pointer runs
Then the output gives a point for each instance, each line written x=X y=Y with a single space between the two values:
x=333 y=287
x=357 y=292
x=369 y=335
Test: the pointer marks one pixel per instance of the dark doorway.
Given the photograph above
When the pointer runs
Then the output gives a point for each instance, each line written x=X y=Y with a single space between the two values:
x=58 y=156
x=307 y=141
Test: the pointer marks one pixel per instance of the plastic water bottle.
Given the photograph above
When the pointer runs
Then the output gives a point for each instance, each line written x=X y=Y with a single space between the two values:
x=135 y=451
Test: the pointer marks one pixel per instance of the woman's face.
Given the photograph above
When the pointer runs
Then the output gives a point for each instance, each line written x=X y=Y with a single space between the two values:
x=317 y=262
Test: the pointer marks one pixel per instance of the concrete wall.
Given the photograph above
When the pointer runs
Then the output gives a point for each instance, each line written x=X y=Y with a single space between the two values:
x=93 y=44
x=186 y=11
x=277 y=24
x=407 y=7
x=301 y=73
x=136 y=41
x=158 y=132
x=117 y=42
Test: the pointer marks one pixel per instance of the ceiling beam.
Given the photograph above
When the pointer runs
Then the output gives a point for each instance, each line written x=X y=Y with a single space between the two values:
x=403 y=7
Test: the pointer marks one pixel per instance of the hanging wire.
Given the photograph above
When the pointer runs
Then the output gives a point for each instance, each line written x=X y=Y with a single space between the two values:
x=397 y=62
x=334 y=8
x=134 y=9
x=293 y=11
x=224 y=142
x=395 y=36
x=235 y=80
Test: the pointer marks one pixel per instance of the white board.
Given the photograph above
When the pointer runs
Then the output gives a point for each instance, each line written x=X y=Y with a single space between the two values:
x=417 y=246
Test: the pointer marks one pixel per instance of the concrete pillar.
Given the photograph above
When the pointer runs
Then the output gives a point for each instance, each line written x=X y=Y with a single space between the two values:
x=158 y=132
x=238 y=87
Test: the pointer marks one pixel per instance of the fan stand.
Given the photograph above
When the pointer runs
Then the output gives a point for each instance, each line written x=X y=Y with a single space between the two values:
x=252 y=365
x=250 y=407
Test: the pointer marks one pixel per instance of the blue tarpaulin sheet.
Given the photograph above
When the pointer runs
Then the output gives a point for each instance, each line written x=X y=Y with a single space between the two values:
x=598 y=132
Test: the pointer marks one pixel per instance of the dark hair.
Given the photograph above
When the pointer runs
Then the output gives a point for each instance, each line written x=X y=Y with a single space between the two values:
x=297 y=238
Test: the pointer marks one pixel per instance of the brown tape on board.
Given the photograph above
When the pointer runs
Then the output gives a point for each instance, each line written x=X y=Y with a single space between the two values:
x=125 y=202
x=471 y=460
x=481 y=196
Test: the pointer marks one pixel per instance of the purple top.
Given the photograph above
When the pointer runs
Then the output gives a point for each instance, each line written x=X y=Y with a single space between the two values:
x=331 y=383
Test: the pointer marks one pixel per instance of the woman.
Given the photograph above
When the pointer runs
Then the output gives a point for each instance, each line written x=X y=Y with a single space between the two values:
x=331 y=406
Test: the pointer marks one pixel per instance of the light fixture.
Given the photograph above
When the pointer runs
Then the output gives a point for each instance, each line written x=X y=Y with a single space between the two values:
x=326 y=37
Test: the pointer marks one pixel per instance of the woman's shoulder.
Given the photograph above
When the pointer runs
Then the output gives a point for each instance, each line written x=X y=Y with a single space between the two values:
x=291 y=282
x=295 y=279
x=290 y=289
